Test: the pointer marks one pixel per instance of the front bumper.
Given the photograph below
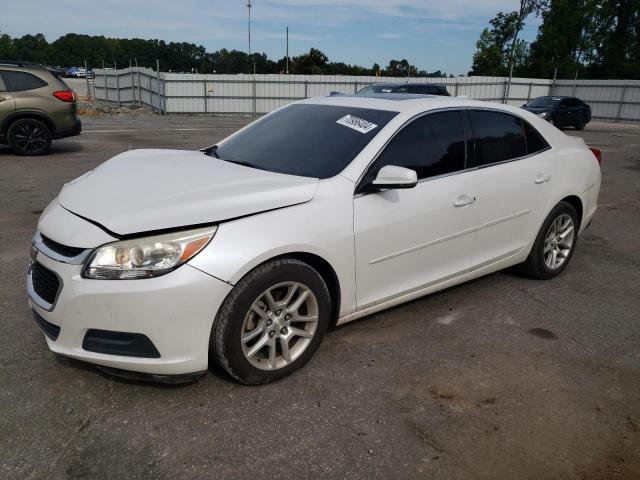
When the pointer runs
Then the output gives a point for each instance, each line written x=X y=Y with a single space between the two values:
x=175 y=311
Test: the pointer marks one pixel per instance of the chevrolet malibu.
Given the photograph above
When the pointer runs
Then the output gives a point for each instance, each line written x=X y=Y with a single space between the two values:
x=327 y=210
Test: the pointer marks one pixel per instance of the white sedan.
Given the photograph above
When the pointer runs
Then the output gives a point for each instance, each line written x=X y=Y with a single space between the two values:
x=160 y=261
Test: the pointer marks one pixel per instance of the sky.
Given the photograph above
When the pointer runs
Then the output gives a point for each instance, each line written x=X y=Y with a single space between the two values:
x=433 y=35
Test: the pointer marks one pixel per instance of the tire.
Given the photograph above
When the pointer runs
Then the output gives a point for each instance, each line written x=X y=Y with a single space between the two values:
x=251 y=361
x=579 y=126
x=540 y=262
x=29 y=137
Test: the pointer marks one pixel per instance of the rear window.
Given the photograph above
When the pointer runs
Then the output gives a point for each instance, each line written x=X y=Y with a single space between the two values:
x=498 y=136
x=316 y=141
x=372 y=89
x=535 y=142
x=427 y=90
x=21 y=81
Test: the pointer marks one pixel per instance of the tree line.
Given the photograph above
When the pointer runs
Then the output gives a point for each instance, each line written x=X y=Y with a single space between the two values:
x=591 y=38
x=73 y=50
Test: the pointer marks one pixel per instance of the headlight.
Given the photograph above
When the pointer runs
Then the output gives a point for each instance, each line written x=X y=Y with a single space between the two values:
x=543 y=114
x=146 y=257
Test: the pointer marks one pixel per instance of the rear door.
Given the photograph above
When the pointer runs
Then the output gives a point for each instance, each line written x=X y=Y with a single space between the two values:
x=7 y=103
x=565 y=114
x=515 y=175
x=406 y=239
x=29 y=91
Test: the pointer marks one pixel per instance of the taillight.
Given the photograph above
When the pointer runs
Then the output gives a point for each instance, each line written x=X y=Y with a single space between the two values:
x=597 y=153
x=65 y=95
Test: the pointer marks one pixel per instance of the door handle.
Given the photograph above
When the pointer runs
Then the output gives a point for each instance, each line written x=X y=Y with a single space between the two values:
x=542 y=178
x=464 y=200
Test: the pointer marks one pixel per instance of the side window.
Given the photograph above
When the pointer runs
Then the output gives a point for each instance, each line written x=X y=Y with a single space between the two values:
x=2 y=87
x=21 y=81
x=575 y=102
x=497 y=136
x=535 y=142
x=565 y=103
x=417 y=89
x=431 y=145
x=435 y=91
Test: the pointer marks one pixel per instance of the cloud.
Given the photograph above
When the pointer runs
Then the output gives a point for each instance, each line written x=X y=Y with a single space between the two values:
x=391 y=35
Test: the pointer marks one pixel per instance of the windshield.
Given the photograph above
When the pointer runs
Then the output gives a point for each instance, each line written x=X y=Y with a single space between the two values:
x=371 y=89
x=316 y=141
x=543 y=102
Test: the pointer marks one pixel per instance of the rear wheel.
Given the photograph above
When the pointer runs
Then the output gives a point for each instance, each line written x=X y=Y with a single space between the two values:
x=580 y=125
x=30 y=137
x=272 y=322
x=555 y=243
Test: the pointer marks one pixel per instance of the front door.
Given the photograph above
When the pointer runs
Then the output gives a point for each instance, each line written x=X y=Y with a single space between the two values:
x=406 y=239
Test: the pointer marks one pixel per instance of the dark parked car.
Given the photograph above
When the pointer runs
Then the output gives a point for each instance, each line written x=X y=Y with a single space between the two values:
x=561 y=111
x=413 y=88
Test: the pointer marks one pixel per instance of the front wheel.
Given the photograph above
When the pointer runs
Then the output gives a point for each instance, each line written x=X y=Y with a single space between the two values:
x=555 y=243
x=272 y=322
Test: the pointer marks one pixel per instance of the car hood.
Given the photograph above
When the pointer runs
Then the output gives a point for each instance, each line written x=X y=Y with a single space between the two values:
x=145 y=190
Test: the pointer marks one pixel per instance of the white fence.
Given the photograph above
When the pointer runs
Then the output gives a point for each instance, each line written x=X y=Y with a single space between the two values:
x=617 y=100
x=258 y=94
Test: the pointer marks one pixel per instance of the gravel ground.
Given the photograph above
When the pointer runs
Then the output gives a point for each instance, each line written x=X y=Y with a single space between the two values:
x=500 y=378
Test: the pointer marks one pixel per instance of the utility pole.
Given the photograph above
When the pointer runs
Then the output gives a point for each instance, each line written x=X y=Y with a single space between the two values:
x=287 y=54
x=249 y=31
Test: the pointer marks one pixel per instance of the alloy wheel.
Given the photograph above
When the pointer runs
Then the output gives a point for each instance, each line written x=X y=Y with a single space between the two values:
x=279 y=325
x=30 y=138
x=558 y=241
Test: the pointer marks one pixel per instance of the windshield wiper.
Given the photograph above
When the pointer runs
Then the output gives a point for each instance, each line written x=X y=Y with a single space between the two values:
x=244 y=164
x=212 y=151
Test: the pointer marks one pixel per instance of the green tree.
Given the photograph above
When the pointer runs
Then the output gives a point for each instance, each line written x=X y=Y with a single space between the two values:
x=491 y=57
x=561 y=39
x=313 y=63
x=7 y=50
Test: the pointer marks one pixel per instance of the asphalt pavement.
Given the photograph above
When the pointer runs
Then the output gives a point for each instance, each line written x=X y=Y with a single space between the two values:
x=501 y=378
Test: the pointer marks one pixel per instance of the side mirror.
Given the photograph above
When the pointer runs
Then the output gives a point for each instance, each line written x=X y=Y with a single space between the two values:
x=391 y=177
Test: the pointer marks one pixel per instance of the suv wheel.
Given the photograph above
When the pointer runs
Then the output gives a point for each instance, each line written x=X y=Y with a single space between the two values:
x=28 y=136
x=272 y=322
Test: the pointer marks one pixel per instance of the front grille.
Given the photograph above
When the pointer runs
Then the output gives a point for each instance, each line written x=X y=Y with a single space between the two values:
x=45 y=283
x=50 y=330
x=60 y=249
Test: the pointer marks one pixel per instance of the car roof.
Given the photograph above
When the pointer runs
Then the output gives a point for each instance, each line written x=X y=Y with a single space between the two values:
x=396 y=84
x=404 y=102
x=559 y=97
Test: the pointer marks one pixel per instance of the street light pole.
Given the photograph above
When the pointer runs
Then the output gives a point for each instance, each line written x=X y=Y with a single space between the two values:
x=287 y=55
x=249 y=31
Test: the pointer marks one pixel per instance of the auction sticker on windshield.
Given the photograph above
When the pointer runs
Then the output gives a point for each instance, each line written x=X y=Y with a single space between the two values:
x=356 y=123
